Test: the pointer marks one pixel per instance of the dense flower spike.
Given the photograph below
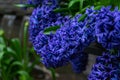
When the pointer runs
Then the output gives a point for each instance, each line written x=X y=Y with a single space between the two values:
x=42 y=18
x=62 y=45
x=107 y=28
x=69 y=40
x=107 y=67
x=73 y=36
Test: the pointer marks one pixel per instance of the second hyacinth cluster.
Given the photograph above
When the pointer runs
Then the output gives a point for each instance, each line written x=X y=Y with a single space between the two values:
x=107 y=67
x=66 y=45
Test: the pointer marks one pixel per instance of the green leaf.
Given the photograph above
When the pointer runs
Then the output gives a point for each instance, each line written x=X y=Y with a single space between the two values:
x=81 y=4
x=1 y=55
x=16 y=46
x=24 y=75
x=32 y=50
x=9 y=50
x=1 y=32
x=73 y=2
x=2 y=40
x=82 y=17
x=97 y=7
x=2 y=46
x=24 y=5
x=84 y=9
x=17 y=63
x=51 y=29
x=61 y=10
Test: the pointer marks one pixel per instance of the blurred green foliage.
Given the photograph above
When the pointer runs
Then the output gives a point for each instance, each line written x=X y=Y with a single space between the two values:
x=73 y=7
x=15 y=58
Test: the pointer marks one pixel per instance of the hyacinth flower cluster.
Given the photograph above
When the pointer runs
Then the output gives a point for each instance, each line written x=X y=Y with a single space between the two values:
x=107 y=28
x=107 y=67
x=67 y=44
x=60 y=48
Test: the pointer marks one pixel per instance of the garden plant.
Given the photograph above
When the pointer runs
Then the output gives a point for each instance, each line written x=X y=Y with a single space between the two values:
x=61 y=30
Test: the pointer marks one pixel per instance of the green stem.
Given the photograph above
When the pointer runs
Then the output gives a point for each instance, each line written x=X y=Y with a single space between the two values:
x=25 y=45
x=53 y=74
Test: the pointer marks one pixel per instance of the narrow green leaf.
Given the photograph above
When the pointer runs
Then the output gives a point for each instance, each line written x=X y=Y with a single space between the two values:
x=2 y=41
x=61 y=10
x=97 y=7
x=1 y=55
x=51 y=29
x=81 y=4
x=82 y=17
x=24 y=5
x=2 y=46
x=17 y=63
x=73 y=2
x=23 y=75
x=84 y=9
x=16 y=45
x=22 y=72
x=9 y=50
